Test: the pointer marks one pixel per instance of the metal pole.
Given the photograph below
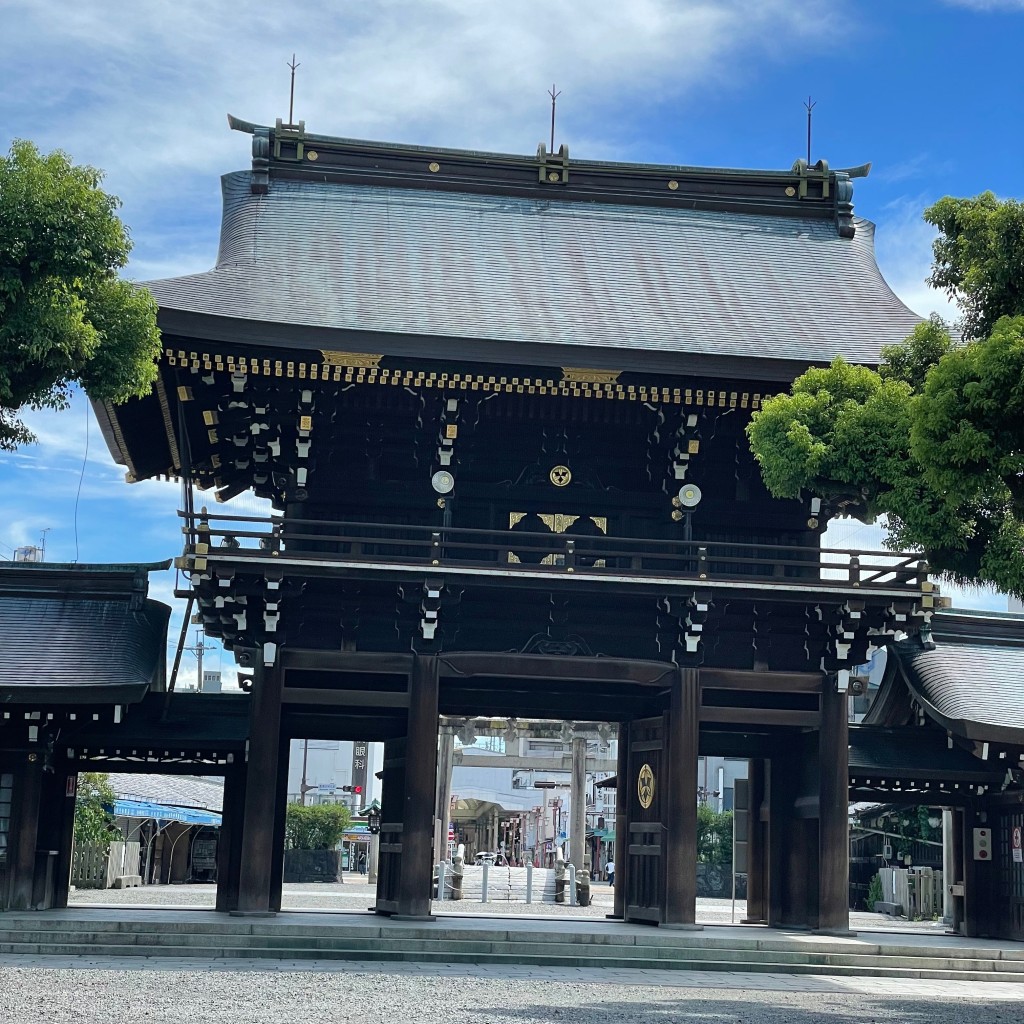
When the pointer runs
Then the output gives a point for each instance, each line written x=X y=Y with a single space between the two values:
x=483 y=884
x=573 y=898
x=529 y=882
x=302 y=784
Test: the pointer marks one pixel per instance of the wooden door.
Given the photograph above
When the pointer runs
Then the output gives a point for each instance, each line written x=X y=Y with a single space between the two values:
x=645 y=845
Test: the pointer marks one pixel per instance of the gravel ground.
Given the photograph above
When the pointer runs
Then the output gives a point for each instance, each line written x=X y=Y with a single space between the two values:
x=161 y=992
x=354 y=894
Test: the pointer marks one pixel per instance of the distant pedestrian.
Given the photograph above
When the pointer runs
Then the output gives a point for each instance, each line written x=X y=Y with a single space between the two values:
x=610 y=872
x=362 y=863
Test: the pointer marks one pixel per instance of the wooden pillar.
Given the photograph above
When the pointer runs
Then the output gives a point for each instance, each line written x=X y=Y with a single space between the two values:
x=229 y=844
x=418 y=804
x=621 y=821
x=833 y=811
x=578 y=802
x=277 y=874
x=757 y=873
x=682 y=735
x=259 y=822
x=21 y=852
x=65 y=791
x=972 y=893
x=780 y=804
x=442 y=813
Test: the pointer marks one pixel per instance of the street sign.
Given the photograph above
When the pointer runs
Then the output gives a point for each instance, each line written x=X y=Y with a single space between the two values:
x=1017 y=846
x=325 y=787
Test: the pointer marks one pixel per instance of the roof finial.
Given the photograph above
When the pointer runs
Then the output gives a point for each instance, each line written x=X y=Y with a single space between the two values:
x=809 y=106
x=554 y=96
x=291 y=95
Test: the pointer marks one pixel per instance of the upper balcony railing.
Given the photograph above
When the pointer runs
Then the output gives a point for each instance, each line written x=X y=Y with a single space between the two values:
x=320 y=543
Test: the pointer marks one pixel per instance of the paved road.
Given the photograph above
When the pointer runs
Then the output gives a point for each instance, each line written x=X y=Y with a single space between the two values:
x=85 y=990
x=356 y=894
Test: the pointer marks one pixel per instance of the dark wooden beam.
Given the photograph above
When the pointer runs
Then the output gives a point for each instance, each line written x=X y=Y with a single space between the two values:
x=345 y=698
x=553 y=668
x=762 y=716
x=347 y=661
x=767 y=682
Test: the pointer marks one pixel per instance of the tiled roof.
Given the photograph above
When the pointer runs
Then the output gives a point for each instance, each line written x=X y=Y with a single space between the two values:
x=973 y=680
x=176 y=790
x=385 y=261
x=79 y=634
x=911 y=753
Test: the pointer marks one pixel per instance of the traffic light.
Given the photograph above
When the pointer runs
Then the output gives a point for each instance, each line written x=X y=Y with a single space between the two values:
x=352 y=789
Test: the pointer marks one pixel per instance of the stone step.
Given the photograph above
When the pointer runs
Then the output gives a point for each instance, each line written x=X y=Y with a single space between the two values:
x=519 y=957
x=485 y=948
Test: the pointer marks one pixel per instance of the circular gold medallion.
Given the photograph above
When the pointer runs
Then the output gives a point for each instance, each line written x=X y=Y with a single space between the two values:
x=560 y=475
x=433 y=167
x=553 y=176
x=673 y=184
x=312 y=154
x=790 y=191
x=645 y=786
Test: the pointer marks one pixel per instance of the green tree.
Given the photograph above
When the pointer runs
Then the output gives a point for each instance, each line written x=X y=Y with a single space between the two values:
x=317 y=827
x=65 y=315
x=94 y=818
x=714 y=835
x=934 y=440
x=979 y=259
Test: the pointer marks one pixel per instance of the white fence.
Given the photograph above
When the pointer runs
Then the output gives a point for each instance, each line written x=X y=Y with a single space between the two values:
x=916 y=891
x=93 y=867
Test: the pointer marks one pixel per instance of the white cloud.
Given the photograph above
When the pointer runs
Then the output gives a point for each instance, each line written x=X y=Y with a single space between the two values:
x=987 y=5
x=142 y=89
x=904 y=251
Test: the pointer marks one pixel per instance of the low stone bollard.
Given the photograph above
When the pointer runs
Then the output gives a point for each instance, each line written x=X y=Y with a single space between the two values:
x=583 y=884
x=458 y=867
x=560 y=878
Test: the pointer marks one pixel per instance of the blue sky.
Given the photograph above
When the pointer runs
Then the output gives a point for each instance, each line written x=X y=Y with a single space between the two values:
x=927 y=90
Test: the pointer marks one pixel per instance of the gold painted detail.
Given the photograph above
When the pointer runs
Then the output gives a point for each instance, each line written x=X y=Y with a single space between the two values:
x=356 y=368
x=673 y=184
x=560 y=476
x=312 y=155
x=355 y=359
x=645 y=786
x=433 y=167
x=451 y=431
x=692 y=446
x=583 y=375
x=558 y=522
x=790 y=191
x=305 y=423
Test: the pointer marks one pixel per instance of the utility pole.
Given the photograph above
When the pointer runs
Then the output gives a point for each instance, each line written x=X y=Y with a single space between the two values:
x=198 y=648
x=578 y=797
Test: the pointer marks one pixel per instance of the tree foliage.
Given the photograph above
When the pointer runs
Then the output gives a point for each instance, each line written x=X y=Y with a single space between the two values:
x=934 y=440
x=94 y=818
x=317 y=827
x=979 y=259
x=65 y=315
x=714 y=835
